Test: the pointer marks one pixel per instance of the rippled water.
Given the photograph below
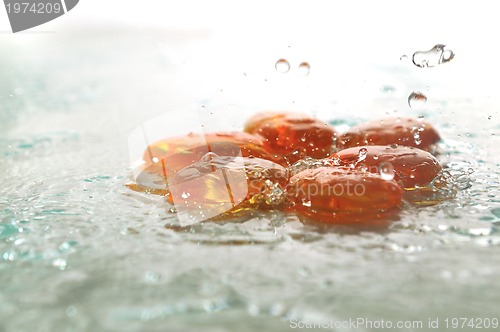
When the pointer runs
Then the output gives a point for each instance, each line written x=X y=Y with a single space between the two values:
x=79 y=251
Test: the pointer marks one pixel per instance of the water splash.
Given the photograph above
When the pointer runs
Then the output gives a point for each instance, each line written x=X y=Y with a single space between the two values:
x=433 y=57
x=311 y=163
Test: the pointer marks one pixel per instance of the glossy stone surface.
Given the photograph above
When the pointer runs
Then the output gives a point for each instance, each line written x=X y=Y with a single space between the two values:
x=412 y=167
x=292 y=136
x=402 y=131
x=343 y=195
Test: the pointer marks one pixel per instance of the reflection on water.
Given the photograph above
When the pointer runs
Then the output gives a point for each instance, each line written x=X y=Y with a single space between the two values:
x=81 y=251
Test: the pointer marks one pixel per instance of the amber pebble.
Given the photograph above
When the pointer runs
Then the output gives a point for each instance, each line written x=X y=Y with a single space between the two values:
x=215 y=185
x=292 y=136
x=402 y=131
x=163 y=159
x=410 y=166
x=343 y=195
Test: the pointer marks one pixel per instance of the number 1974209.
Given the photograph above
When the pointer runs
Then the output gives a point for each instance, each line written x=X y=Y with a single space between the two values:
x=35 y=8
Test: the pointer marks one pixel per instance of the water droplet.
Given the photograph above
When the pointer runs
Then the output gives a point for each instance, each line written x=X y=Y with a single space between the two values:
x=59 y=263
x=306 y=203
x=282 y=66
x=489 y=117
x=71 y=311
x=185 y=195
x=208 y=157
x=304 y=271
x=362 y=154
x=155 y=160
x=151 y=277
x=416 y=99
x=433 y=57
x=304 y=68
x=417 y=138
x=388 y=89
x=386 y=171
x=404 y=57
x=447 y=55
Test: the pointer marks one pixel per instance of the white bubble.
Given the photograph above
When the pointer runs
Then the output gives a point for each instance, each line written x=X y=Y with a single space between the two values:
x=304 y=68
x=386 y=171
x=282 y=66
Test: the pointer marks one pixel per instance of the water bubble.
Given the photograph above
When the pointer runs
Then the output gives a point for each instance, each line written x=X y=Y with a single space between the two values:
x=417 y=138
x=306 y=203
x=386 y=171
x=311 y=163
x=185 y=195
x=416 y=99
x=362 y=154
x=433 y=57
x=272 y=193
x=151 y=277
x=59 y=263
x=447 y=55
x=208 y=157
x=489 y=117
x=304 y=68
x=282 y=66
x=404 y=57
x=71 y=311
x=388 y=89
x=155 y=160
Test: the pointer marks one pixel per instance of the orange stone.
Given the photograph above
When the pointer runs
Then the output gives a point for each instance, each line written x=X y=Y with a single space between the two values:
x=292 y=136
x=163 y=159
x=215 y=185
x=343 y=195
x=410 y=166
x=401 y=131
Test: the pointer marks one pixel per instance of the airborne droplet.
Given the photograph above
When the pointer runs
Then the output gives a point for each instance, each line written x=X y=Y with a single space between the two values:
x=304 y=68
x=433 y=57
x=282 y=66
x=416 y=99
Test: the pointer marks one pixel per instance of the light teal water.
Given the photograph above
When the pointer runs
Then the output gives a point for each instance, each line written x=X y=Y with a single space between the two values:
x=81 y=252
